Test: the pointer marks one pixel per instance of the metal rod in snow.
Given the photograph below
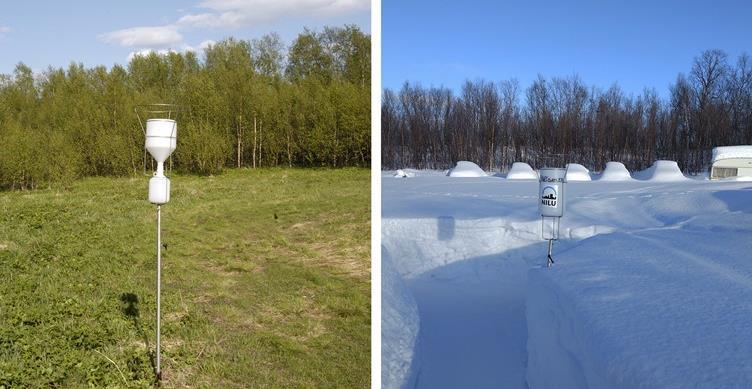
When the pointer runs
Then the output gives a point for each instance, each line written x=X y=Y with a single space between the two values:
x=159 y=283
x=550 y=260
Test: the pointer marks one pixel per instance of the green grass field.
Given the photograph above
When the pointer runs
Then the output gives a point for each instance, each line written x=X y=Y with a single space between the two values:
x=265 y=282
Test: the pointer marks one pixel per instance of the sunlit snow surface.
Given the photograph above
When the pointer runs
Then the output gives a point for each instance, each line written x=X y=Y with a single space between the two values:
x=652 y=285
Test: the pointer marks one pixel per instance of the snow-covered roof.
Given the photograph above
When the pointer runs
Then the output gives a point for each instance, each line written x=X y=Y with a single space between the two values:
x=726 y=152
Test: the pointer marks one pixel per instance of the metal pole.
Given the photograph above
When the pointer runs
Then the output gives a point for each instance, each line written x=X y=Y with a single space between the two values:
x=159 y=280
x=550 y=260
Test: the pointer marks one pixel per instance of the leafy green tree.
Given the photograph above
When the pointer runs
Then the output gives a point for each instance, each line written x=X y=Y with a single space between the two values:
x=250 y=103
x=308 y=58
x=268 y=52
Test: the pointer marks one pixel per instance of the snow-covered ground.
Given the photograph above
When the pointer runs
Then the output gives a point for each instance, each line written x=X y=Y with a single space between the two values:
x=400 y=325
x=652 y=285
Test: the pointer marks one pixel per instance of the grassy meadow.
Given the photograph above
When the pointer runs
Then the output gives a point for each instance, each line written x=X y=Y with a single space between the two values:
x=265 y=282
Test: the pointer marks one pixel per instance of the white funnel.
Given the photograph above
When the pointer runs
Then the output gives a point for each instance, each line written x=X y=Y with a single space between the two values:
x=161 y=136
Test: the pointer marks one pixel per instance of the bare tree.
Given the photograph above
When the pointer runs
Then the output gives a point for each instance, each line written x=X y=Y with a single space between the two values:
x=562 y=117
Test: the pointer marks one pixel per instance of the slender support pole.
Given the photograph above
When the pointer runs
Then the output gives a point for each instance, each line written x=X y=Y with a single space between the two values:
x=550 y=260
x=159 y=283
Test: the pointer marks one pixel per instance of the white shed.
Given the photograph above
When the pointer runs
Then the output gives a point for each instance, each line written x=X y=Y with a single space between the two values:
x=731 y=161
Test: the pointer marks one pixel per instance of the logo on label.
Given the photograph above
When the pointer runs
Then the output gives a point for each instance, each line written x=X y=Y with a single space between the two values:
x=548 y=196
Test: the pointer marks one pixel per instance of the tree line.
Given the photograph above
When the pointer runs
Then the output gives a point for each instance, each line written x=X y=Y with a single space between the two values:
x=249 y=103
x=560 y=120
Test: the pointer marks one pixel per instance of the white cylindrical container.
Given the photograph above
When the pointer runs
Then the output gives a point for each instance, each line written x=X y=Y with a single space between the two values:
x=159 y=190
x=161 y=138
x=551 y=191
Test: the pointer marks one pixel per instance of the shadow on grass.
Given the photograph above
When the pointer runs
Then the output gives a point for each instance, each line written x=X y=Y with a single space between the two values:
x=130 y=310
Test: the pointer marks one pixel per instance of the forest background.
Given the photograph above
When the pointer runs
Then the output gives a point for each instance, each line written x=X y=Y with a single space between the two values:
x=247 y=103
x=560 y=120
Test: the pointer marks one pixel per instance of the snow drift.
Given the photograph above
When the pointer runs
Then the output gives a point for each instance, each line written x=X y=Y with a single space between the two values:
x=577 y=172
x=403 y=173
x=650 y=287
x=654 y=309
x=410 y=173
x=467 y=169
x=399 y=327
x=521 y=171
x=738 y=178
x=661 y=171
x=615 y=171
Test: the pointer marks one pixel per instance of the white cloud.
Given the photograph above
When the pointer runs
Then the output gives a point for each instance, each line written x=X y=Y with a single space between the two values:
x=150 y=37
x=4 y=30
x=225 y=14
x=211 y=20
x=243 y=13
x=328 y=6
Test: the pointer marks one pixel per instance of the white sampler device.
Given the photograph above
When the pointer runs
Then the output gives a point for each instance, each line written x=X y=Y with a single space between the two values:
x=161 y=140
x=160 y=137
x=551 y=201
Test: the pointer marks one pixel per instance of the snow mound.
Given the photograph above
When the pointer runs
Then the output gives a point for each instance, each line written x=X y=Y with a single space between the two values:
x=615 y=171
x=399 y=327
x=408 y=173
x=467 y=169
x=661 y=171
x=521 y=171
x=727 y=152
x=404 y=174
x=577 y=172
x=653 y=309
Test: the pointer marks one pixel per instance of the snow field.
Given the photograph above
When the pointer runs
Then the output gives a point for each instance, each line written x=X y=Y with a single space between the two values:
x=631 y=269
x=672 y=313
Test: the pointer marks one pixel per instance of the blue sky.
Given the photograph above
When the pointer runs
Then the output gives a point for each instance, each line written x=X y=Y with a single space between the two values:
x=634 y=43
x=44 y=33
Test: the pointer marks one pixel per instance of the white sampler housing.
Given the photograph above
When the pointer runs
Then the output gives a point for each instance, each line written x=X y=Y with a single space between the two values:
x=161 y=140
x=551 y=197
x=551 y=192
x=731 y=161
